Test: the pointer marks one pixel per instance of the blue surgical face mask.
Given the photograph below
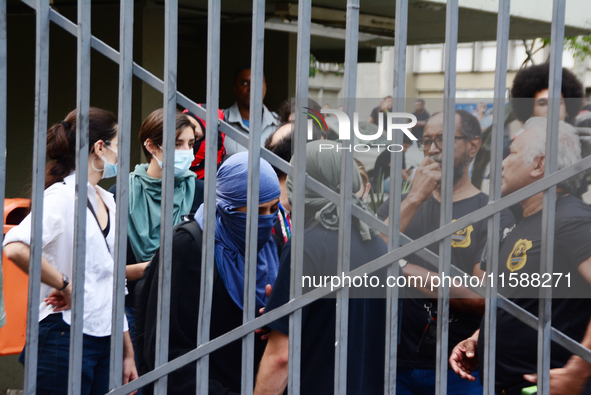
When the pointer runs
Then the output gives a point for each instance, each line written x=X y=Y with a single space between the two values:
x=182 y=161
x=109 y=169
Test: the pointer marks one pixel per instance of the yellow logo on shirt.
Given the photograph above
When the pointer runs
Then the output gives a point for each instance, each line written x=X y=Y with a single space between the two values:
x=461 y=239
x=518 y=257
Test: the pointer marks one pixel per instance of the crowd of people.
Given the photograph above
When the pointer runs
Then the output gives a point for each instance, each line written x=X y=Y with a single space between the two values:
x=520 y=253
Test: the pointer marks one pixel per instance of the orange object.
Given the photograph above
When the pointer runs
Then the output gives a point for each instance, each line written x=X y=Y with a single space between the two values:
x=16 y=285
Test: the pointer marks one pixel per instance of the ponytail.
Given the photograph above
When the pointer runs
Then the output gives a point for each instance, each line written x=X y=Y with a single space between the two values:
x=61 y=142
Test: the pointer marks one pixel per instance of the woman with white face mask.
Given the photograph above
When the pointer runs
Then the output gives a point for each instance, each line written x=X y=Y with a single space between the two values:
x=58 y=254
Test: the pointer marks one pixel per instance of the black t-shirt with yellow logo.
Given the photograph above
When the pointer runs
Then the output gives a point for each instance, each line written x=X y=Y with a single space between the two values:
x=417 y=348
x=519 y=260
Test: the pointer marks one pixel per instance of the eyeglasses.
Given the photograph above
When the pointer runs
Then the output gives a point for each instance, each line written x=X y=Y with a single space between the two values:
x=425 y=144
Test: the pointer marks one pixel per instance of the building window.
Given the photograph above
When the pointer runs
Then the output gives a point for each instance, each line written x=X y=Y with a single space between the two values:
x=465 y=58
x=430 y=59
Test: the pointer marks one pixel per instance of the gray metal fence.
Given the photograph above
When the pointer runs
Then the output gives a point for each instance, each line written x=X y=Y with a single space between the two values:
x=399 y=245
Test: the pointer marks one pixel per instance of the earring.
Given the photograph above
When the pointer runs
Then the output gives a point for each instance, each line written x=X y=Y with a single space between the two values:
x=94 y=167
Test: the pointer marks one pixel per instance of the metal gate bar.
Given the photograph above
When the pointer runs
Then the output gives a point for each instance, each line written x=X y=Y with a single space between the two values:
x=252 y=209
x=392 y=293
x=345 y=201
x=122 y=196
x=549 y=202
x=81 y=201
x=38 y=181
x=446 y=216
x=493 y=236
x=299 y=192
x=207 y=254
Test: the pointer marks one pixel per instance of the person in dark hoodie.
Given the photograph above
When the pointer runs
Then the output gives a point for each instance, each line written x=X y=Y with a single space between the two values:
x=228 y=287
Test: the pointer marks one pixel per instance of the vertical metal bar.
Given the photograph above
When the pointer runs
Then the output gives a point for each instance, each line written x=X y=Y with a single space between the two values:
x=168 y=145
x=211 y=141
x=124 y=144
x=449 y=116
x=39 y=143
x=549 y=204
x=252 y=205
x=82 y=148
x=493 y=236
x=398 y=95
x=299 y=192
x=344 y=252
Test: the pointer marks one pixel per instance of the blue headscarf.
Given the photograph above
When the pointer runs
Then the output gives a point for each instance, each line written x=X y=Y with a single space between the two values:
x=230 y=230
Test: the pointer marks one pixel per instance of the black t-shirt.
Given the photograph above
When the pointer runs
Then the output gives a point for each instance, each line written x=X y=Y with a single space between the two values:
x=375 y=115
x=367 y=317
x=225 y=363
x=418 y=130
x=467 y=247
x=571 y=309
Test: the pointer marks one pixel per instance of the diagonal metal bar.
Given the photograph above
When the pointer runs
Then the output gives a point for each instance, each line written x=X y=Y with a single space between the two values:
x=252 y=205
x=493 y=236
x=399 y=94
x=549 y=200
x=124 y=144
x=39 y=156
x=299 y=189
x=81 y=201
x=166 y=218
x=345 y=202
x=211 y=141
x=318 y=293
x=449 y=116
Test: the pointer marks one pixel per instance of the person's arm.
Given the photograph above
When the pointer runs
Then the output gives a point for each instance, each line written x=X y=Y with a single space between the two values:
x=571 y=378
x=463 y=359
x=272 y=376
x=129 y=368
x=427 y=178
x=135 y=271
x=20 y=253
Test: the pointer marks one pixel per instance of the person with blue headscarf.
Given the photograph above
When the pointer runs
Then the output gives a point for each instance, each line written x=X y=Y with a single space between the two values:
x=228 y=287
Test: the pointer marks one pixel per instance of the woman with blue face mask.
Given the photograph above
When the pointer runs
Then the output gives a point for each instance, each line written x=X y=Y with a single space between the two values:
x=145 y=196
x=228 y=284
x=55 y=314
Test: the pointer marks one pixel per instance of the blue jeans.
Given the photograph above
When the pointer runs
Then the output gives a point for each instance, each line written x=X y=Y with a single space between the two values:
x=54 y=354
x=422 y=382
x=130 y=314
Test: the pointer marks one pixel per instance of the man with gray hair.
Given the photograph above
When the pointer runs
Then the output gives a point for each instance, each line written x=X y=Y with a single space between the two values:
x=519 y=277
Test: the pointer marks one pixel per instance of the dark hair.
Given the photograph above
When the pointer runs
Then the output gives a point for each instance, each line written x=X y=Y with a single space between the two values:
x=61 y=142
x=285 y=109
x=420 y=100
x=240 y=70
x=534 y=79
x=283 y=148
x=469 y=127
x=153 y=127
